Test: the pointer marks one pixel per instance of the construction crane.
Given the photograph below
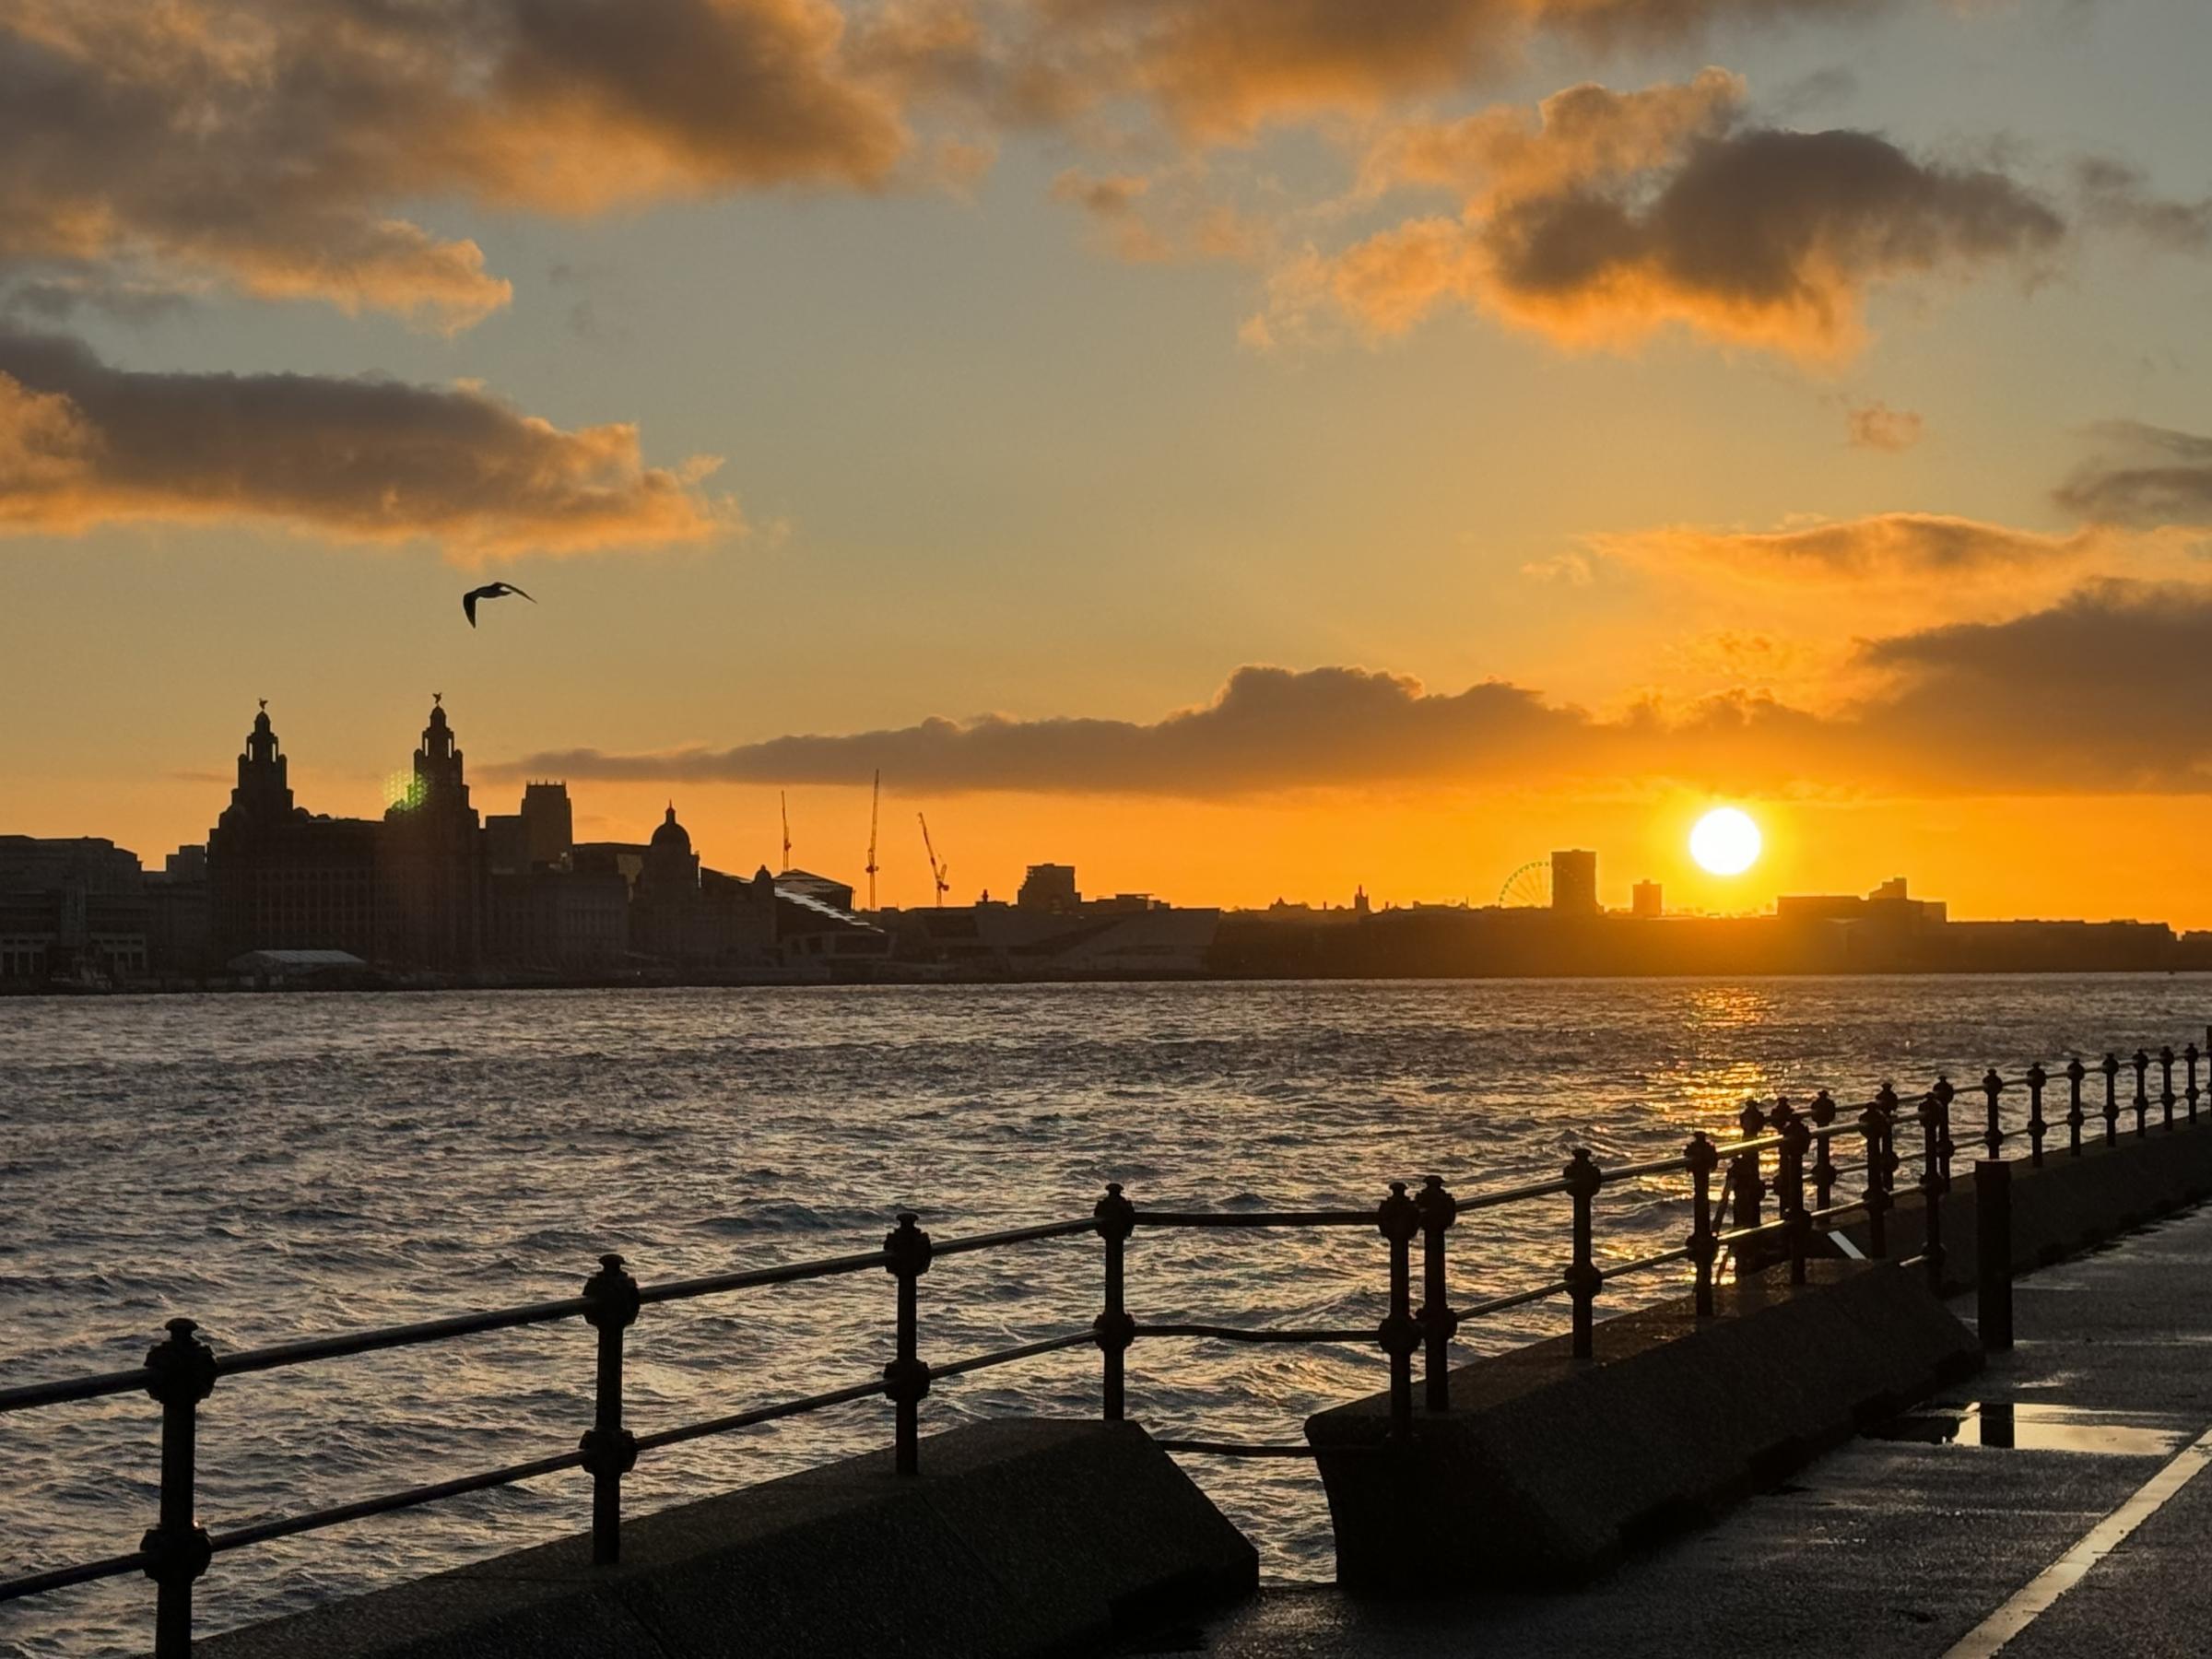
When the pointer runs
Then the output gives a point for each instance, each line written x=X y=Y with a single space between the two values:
x=874 y=802
x=783 y=801
x=937 y=873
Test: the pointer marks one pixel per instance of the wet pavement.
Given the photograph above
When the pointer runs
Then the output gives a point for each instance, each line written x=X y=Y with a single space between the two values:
x=1937 y=1537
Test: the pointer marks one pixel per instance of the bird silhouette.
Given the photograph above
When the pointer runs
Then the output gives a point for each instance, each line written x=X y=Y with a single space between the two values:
x=490 y=590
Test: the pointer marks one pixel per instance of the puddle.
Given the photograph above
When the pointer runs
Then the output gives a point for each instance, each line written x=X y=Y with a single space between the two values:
x=2039 y=1426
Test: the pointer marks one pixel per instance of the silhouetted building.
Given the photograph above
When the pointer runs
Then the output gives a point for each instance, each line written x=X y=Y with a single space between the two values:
x=431 y=861
x=823 y=890
x=540 y=837
x=72 y=910
x=1644 y=901
x=180 y=919
x=557 y=921
x=282 y=879
x=1050 y=888
x=1888 y=903
x=818 y=930
x=1574 y=883
x=688 y=917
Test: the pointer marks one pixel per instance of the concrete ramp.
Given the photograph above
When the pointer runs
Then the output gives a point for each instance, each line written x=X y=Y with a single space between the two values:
x=1019 y=1537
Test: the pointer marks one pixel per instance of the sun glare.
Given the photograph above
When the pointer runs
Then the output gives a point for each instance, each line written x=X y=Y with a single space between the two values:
x=1726 y=842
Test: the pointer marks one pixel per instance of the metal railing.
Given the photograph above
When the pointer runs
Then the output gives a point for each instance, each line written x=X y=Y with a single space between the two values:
x=183 y=1370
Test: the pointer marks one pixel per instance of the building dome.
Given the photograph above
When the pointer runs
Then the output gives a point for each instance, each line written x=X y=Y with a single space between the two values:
x=671 y=836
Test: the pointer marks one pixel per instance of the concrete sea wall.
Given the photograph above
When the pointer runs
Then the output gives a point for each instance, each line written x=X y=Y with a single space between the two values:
x=1545 y=1468
x=1018 y=1538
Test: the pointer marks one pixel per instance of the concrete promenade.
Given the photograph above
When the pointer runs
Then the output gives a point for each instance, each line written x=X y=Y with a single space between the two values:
x=1936 y=1539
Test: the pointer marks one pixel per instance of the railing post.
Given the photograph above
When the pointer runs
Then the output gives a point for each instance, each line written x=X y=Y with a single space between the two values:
x=906 y=1378
x=610 y=1451
x=2166 y=1085
x=2190 y=1053
x=1823 y=1111
x=1789 y=1187
x=1934 y=1129
x=1992 y=1255
x=2112 y=1102
x=184 y=1376
x=1702 y=1161
x=1398 y=1219
x=1115 y=1329
x=1874 y=1123
x=2037 y=1078
x=1752 y=1124
x=1583 y=1178
x=1438 y=1210
x=1992 y=1134
x=2076 y=1117
x=2142 y=1100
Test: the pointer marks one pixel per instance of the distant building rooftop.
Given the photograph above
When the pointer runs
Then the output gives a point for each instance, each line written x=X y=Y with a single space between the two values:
x=294 y=962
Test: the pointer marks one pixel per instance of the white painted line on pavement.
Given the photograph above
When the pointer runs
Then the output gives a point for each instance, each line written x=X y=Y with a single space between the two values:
x=1988 y=1638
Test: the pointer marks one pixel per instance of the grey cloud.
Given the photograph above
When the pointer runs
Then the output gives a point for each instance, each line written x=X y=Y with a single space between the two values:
x=82 y=443
x=2110 y=691
x=269 y=145
x=2146 y=476
x=2116 y=195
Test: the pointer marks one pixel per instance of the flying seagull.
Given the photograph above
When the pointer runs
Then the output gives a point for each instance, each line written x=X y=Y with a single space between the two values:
x=495 y=589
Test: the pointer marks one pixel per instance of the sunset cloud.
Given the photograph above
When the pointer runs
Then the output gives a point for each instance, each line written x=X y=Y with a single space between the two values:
x=2109 y=691
x=357 y=459
x=1600 y=217
x=1221 y=68
x=273 y=147
x=1877 y=426
x=1888 y=546
x=2147 y=475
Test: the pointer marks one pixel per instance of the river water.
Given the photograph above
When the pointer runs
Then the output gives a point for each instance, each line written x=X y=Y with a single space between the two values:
x=283 y=1166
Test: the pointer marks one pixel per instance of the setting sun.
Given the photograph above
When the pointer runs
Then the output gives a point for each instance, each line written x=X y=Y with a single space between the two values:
x=1726 y=842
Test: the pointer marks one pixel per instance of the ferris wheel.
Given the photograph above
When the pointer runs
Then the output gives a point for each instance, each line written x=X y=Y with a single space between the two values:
x=1528 y=888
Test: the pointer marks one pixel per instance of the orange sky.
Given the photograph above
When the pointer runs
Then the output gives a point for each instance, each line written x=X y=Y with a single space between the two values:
x=1237 y=448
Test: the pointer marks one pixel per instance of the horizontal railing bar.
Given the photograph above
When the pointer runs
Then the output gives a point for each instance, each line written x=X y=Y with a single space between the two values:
x=1232 y=1449
x=1676 y=1165
x=23 y=1397
x=1679 y=1254
x=1028 y=1350
x=1499 y=1304
x=1541 y=1189
x=61 y=1578
x=1854 y=1206
x=1014 y=1235
x=391 y=1336
x=760 y=1414
x=1765 y=1229
x=1339 y=1218
x=1259 y=1334
x=261 y=1531
x=790 y=1273
x=1758 y=1143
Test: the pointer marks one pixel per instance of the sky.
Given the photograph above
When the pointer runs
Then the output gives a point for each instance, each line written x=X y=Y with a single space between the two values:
x=1244 y=448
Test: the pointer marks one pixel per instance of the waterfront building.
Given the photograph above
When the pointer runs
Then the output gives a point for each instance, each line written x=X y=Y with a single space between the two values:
x=541 y=836
x=685 y=916
x=1644 y=901
x=557 y=921
x=71 y=908
x=180 y=924
x=280 y=878
x=1050 y=888
x=1574 y=883
x=429 y=862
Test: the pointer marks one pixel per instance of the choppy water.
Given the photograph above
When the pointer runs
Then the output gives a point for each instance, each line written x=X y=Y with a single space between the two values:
x=282 y=1166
